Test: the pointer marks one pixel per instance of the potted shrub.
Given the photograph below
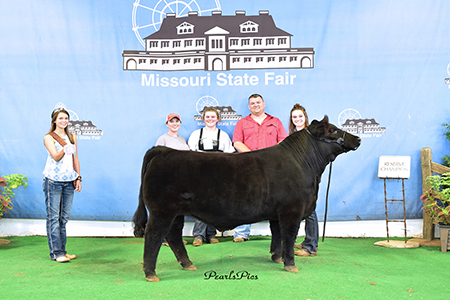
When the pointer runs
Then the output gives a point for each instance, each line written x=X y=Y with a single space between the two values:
x=446 y=159
x=7 y=185
x=436 y=202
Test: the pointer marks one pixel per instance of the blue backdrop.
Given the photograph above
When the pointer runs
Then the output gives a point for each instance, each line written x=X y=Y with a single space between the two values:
x=383 y=63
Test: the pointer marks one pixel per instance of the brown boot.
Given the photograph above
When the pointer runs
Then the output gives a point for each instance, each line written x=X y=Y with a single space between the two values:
x=298 y=246
x=239 y=240
x=197 y=242
x=304 y=253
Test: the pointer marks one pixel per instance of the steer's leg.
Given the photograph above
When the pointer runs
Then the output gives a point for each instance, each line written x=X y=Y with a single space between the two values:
x=275 y=245
x=175 y=240
x=155 y=232
x=289 y=230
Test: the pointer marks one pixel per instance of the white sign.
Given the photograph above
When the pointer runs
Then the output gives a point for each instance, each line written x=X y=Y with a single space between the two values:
x=398 y=167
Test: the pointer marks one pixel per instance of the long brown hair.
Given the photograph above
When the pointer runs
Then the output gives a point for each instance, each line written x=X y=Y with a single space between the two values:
x=291 y=125
x=55 y=115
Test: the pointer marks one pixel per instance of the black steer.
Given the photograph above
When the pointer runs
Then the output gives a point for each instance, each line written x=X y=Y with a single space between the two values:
x=279 y=184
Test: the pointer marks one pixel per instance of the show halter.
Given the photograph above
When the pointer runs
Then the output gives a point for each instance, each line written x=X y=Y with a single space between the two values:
x=340 y=141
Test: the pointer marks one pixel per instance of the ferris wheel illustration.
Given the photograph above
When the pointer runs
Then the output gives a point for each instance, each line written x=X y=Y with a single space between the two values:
x=73 y=115
x=348 y=113
x=148 y=15
x=204 y=102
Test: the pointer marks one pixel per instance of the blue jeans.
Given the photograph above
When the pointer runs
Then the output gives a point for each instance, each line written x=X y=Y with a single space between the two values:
x=311 y=233
x=242 y=231
x=58 y=202
x=203 y=231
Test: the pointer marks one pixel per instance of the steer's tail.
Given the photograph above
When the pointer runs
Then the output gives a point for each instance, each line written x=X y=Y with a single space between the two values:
x=140 y=216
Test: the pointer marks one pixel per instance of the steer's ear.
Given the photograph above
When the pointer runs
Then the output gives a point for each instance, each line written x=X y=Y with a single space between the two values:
x=319 y=129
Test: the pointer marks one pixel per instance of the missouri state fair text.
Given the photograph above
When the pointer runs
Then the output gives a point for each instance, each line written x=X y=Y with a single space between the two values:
x=221 y=79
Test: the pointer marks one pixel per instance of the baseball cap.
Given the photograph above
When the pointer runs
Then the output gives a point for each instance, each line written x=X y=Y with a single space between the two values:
x=171 y=116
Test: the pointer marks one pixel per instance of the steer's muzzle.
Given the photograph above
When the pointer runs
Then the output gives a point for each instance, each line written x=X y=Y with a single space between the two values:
x=352 y=142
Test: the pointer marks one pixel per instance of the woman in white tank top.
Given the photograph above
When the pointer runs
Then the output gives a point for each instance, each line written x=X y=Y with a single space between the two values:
x=62 y=179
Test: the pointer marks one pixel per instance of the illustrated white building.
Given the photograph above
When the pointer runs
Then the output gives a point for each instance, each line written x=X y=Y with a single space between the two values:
x=358 y=126
x=84 y=128
x=216 y=42
x=226 y=113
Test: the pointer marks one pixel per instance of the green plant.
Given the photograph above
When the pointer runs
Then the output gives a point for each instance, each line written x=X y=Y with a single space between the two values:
x=446 y=159
x=436 y=201
x=9 y=183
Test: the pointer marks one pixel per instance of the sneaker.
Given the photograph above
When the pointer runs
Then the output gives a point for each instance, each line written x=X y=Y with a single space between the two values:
x=185 y=242
x=197 y=242
x=304 y=253
x=213 y=241
x=62 y=259
x=71 y=256
x=239 y=239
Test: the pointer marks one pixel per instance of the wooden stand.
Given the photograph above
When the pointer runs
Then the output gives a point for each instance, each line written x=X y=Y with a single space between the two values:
x=386 y=200
x=396 y=244
x=395 y=168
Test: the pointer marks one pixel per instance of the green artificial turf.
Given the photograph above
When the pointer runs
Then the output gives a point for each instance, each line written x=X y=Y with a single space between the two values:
x=111 y=268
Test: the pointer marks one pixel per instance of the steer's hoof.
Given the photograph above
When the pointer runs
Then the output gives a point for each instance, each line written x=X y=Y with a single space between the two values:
x=292 y=269
x=152 y=278
x=190 y=268
x=278 y=260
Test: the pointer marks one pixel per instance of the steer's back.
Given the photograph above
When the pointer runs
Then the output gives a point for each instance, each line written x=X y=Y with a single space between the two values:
x=225 y=190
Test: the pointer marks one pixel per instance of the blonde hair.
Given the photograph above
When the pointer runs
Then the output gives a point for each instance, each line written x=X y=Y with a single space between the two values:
x=55 y=115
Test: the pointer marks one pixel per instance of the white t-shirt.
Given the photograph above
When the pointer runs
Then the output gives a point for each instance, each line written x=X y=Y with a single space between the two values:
x=177 y=143
x=208 y=137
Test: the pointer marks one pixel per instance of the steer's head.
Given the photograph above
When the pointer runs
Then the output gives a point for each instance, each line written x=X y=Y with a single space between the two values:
x=337 y=139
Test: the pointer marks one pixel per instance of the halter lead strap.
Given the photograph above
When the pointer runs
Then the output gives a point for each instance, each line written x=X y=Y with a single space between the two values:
x=326 y=204
x=340 y=142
